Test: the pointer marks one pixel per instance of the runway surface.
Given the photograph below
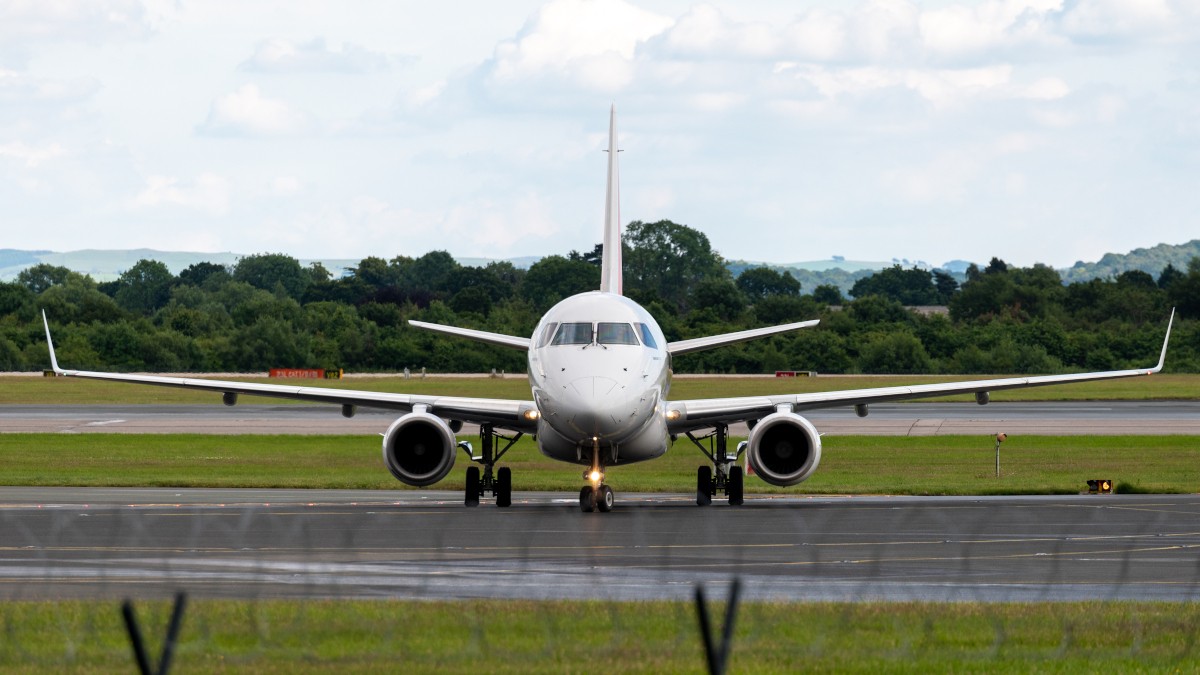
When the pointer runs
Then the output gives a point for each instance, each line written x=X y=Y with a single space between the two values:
x=81 y=542
x=897 y=419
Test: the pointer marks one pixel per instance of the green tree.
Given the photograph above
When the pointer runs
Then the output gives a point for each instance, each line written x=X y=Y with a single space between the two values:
x=719 y=295
x=763 y=282
x=198 y=274
x=668 y=260
x=553 y=278
x=42 y=276
x=908 y=287
x=828 y=294
x=270 y=271
x=144 y=287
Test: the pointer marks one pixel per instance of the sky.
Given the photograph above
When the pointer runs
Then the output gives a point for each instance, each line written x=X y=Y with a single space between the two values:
x=1033 y=130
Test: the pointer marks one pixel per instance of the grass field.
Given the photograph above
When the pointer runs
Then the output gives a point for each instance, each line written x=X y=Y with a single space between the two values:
x=49 y=390
x=932 y=465
x=275 y=636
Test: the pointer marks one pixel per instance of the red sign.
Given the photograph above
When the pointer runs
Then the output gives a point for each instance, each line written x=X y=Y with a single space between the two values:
x=299 y=373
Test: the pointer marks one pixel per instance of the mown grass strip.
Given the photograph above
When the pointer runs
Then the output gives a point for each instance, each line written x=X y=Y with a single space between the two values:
x=933 y=465
x=64 y=390
x=309 y=636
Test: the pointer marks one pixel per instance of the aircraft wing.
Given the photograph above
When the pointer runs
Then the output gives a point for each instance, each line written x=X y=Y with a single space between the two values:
x=698 y=344
x=509 y=414
x=685 y=415
x=472 y=334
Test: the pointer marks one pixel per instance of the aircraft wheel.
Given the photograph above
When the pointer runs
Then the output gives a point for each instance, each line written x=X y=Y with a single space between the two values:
x=472 y=490
x=587 y=499
x=604 y=501
x=704 y=486
x=735 y=486
x=503 y=487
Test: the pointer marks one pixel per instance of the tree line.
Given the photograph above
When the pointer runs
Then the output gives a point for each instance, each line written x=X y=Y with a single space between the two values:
x=268 y=311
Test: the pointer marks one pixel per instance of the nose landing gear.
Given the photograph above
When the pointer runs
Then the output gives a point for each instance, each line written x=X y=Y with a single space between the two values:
x=596 y=495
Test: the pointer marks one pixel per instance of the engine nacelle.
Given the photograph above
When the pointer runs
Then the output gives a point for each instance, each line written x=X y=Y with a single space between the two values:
x=784 y=448
x=419 y=449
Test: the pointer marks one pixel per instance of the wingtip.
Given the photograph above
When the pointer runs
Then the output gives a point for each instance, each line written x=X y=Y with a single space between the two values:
x=50 y=344
x=1162 y=357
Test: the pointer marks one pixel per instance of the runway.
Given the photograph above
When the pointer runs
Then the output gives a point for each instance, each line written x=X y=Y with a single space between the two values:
x=107 y=542
x=897 y=419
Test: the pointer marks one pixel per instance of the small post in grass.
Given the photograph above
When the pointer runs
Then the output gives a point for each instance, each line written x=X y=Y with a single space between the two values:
x=1000 y=437
x=717 y=655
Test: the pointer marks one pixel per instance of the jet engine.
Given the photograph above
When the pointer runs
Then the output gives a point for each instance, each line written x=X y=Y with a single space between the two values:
x=784 y=448
x=419 y=449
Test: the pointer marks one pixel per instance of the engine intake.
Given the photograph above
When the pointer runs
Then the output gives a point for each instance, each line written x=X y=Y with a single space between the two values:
x=784 y=449
x=419 y=449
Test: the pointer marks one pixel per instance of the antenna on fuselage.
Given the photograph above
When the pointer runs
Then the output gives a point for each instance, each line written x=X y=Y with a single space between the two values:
x=610 y=264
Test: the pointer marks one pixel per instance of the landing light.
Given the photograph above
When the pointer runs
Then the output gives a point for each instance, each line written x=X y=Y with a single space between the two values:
x=672 y=415
x=531 y=415
x=595 y=476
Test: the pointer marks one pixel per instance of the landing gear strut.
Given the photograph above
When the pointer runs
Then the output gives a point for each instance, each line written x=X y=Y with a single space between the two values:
x=479 y=484
x=595 y=495
x=724 y=475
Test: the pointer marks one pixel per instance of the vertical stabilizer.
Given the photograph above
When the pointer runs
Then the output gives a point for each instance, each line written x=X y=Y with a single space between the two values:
x=610 y=267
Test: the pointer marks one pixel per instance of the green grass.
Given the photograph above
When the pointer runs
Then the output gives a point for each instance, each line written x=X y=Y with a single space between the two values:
x=930 y=465
x=278 y=636
x=47 y=390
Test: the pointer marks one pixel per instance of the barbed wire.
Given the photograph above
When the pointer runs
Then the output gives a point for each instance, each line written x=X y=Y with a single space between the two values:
x=930 y=575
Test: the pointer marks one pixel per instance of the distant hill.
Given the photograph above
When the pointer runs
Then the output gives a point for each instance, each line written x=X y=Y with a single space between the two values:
x=1150 y=260
x=107 y=265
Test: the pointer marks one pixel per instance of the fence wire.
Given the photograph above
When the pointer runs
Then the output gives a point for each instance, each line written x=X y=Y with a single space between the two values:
x=894 y=581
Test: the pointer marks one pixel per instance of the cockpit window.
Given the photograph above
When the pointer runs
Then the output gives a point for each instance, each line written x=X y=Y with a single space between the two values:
x=615 y=334
x=573 y=334
x=647 y=336
x=547 y=333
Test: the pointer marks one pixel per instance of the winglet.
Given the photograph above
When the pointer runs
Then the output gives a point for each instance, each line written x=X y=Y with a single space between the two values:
x=1162 y=358
x=50 y=343
x=610 y=265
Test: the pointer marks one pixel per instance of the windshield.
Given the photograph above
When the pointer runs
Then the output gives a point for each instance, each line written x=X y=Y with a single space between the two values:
x=647 y=336
x=573 y=334
x=615 y=334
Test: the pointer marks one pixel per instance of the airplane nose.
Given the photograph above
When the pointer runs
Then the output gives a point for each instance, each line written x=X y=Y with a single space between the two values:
x=593 y=388
x=597 y=405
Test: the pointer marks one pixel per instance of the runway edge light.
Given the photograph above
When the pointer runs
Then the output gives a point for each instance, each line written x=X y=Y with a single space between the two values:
x=1100 y=486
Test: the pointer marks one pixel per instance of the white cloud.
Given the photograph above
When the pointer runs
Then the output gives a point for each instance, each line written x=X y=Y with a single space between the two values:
x=25 y=88
x=590 y=42
x=1115 y=19
x=283 y=186
x=31 y=156
x=286 y=56
x=248 y=112
x=84 y=20
x=209 y=193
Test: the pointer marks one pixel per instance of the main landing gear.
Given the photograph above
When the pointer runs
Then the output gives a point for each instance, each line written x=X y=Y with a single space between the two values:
x=479 y=484
x=724 y=475
x=595 y=495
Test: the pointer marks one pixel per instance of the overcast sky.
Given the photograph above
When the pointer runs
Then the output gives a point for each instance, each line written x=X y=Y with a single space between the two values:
x=1034 y=130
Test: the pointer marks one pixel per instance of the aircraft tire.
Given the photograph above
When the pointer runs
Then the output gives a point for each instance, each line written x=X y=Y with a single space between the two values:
x=472 y=489
x=704 y=485
x=504 y=487
x=587 y=499
x=605 y=499
x=736 y=484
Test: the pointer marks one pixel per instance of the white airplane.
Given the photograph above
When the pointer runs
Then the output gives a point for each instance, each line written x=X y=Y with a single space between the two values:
x=600 y=372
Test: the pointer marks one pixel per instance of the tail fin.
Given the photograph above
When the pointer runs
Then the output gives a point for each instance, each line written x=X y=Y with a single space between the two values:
x=610 y=266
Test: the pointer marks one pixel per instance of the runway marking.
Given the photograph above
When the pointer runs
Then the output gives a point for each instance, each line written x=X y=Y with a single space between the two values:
x=876 y=561
x=453 y=550
x=103 y=423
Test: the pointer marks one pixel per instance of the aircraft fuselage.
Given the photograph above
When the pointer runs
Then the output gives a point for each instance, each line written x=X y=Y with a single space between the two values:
x=600 y=371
